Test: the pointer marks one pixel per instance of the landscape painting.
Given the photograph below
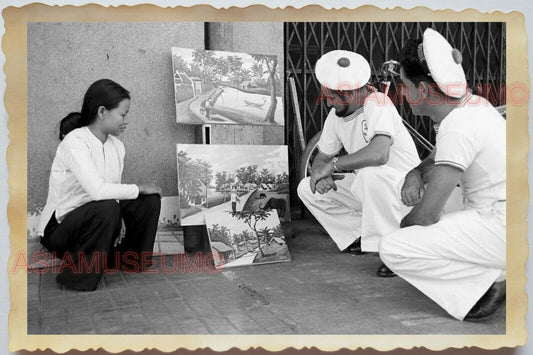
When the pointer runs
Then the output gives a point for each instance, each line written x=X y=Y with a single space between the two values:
x=216 y=87
x=245 y=238
x=216 y=179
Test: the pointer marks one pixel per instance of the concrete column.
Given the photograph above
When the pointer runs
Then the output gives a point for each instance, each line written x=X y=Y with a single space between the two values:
x=219 y=36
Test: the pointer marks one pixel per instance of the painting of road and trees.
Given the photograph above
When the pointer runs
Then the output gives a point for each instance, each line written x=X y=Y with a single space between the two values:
x=246 y=237
x=216 y=179
x=226 y=87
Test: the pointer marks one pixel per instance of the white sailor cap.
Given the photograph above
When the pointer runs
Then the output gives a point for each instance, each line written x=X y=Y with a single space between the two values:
x=342 y=70
x=444 y=63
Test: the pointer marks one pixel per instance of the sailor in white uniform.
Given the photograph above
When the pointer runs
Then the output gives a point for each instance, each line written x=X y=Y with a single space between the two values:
x=456 y=259
x=357 y=208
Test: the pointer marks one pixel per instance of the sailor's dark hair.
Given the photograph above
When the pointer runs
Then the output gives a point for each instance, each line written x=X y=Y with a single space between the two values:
x=414 y=69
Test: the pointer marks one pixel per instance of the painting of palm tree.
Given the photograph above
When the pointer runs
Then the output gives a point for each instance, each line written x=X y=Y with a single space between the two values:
x=226 y=87
x=246 y=238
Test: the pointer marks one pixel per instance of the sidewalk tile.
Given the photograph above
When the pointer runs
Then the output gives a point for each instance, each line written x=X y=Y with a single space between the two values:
x=110 y=328
x=131 y=314
x=53 y=327
x=168 y=295
x=138 y=328
x=194 y=327
x=145 y=295
x=153 y=307
x=52 y=312
x=158 y=317
x=269 y=322
x=222 y=328
x=168 y=329
x=79 y=328
x=320 y=291
x=100 y=301
x=34 y=328
x=282 y=329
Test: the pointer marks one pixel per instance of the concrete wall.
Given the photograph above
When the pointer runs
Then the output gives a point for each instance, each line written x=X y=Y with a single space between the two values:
x=65 y=58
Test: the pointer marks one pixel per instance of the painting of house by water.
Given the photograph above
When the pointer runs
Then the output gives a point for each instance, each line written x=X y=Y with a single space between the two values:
x=246 y=238
x=222 y=178
x=226 y=87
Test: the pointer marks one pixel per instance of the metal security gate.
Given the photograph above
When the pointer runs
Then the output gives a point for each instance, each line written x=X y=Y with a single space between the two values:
x=481 y=43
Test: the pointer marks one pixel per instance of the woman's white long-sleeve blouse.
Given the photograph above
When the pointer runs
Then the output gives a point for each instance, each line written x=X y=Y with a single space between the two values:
x=84 y=170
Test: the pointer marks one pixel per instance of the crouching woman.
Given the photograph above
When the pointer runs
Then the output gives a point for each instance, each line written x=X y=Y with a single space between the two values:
x=87 y=201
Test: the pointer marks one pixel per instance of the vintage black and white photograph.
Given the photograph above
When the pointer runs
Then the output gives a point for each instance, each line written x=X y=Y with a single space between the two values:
x=226 y=87
x=391 y=178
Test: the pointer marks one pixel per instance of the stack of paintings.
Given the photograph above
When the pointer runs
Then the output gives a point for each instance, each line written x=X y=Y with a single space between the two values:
x=241 y=193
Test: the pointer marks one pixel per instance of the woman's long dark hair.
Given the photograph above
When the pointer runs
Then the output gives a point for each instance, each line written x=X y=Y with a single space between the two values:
x=69 y=123
x=104 y=92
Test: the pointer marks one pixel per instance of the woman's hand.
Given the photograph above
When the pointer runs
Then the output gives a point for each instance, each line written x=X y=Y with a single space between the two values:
x=150 y=189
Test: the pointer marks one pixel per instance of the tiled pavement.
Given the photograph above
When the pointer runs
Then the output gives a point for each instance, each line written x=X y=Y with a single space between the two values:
x=320 y=291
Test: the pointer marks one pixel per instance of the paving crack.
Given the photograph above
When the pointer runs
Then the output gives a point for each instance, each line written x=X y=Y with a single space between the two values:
x=250 y=291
